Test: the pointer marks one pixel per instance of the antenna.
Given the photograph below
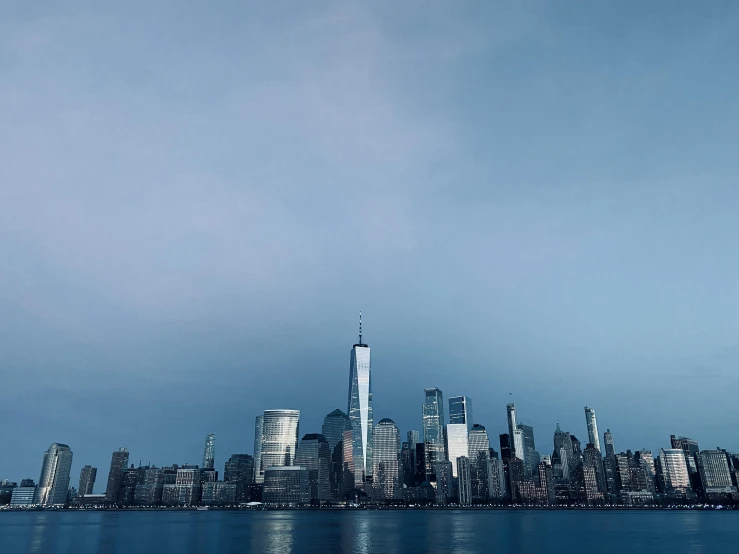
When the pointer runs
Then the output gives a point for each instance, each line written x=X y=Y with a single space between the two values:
x=360 y=327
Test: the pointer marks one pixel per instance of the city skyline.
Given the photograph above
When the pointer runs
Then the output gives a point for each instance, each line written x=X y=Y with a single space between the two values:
x=524 y=197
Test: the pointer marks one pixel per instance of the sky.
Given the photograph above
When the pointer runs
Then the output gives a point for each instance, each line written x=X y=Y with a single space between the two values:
x=529 y=201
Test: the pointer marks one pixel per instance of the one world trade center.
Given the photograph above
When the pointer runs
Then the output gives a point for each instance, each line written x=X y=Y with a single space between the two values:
x=360 y=410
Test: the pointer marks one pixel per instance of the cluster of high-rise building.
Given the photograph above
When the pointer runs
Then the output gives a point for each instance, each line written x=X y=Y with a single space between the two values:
x=354 y=460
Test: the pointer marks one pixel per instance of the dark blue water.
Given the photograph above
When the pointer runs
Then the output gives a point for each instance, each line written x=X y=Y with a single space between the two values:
x=368 y=531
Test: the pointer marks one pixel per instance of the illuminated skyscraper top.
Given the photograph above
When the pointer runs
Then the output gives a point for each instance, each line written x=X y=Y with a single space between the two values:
x=360 y=409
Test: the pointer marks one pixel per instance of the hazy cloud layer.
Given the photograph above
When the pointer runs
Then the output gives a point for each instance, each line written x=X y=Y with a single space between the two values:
x=528 y=200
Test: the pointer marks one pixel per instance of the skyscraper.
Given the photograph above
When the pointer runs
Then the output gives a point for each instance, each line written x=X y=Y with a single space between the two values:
x=479 y=455
x=531 y=456
x=608 y=440
x=433 y=430
x=209 y=451
x=53 y=485
x=715 y=472
x=674 y=470
x=460 y=411
x=512 y=427
x=313 y=454
x=464 y=481
x=335 y=426
x=279 y=438
x=87 y=480
x=258 y=472
x=593 y=437
x=118 y=465
x=360 y=409
x=386 y=460
x=239 y=469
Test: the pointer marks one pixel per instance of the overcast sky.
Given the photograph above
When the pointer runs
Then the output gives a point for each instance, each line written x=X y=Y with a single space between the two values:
x=529 y=200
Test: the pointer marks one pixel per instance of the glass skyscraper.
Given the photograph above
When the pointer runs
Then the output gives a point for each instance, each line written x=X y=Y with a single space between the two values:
x=336 y=426
x=209 y=451
x=360 y=409
x=53 y=485
x=593 y=437
x=479 y=456
x=279 y=438
x=460 y=422
x=87 y=480
x=386 y=460
x=313 y=454
x=460 y=410
x=118 y=465
x=433 y=430
x=258 y=472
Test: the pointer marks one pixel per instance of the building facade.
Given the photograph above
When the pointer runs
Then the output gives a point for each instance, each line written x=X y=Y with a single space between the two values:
x=118 y=466
x=434 y=439
x=209 y=452
x=314 y=455
x=359 y=410
x=592 y=424
x=286 y=485
x=87 y=480
x=279 y=438
x=386 y=472
x=53 y=484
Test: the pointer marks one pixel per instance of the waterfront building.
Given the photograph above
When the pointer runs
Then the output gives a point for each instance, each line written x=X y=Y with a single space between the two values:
x=150 y=491
x=444 y=482
x=239 y=470
x=515 y=476
x=314 y=455
x=592 y=424
x=209 y=452
x=6 y=491
x=87 y=480
x=496 y=485
x=479 y=454
x=563 y=442
x=286 y=485
x=420 y=459
x=433 y=430
x=645 y=459
x=674 y=469
x=258 y=431
x=546 y=482
x=219 y=493
x=407 y=468
x=386 y=455
x=464 y=485
x=53 y=484
x=279 y=438
x=592 y=457
x=506 y=450
x=118 y=466
x=359 y=410
x=690 y=450
x=457 y=442
x=23 y=496
x=715 y=473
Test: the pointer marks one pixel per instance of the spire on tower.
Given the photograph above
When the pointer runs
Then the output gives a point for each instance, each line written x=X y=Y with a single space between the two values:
x=360 y=326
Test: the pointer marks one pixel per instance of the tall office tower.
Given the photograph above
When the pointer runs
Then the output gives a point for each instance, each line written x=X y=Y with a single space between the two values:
x=407 y=466
x=360 y=409
x=576 y=452
x=690 y=448
x=209 y=452
x=87 y=480
x=118 y=465
x=592 y=457
x=608 y=440
x=239 y=469
x=546 y=480
x=675 y=476
x=279 y=438
x=457 y=443
x=515 y=477
x=433 y=430
x=505 y=446
x=335 y=425
x=645 y=459
x=314 y=454
x=386 y=455
x=460 y=410
x=414 y=437
x=531 y=456
x=444 y=481
x=715 y=473
x=496 y=484
x=464 y=485
x=512 y=427
x=563 y=441
x=420 y=476
x=258 y=471
x=53 y=485
x=592 y=424
x=479 y=453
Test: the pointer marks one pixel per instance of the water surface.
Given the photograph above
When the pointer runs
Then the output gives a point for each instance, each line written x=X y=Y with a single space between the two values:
x=190 y=532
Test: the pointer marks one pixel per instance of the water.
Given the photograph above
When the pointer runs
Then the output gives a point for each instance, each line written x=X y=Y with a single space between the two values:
x=519 y=531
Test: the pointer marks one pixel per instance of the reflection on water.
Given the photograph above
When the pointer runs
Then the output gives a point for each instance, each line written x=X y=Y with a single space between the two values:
x=366 y=532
